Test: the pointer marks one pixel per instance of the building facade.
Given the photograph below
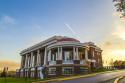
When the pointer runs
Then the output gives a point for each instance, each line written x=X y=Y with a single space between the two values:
x=59 y=55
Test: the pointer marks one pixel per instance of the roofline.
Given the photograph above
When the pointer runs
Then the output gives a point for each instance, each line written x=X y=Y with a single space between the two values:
x=40 y=43
x=43 y=42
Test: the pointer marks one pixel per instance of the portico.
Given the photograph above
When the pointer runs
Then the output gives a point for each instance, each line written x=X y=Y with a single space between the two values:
x=58 y=56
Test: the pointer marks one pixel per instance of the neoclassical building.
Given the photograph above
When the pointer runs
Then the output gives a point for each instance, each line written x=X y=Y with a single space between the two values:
x=59 y=55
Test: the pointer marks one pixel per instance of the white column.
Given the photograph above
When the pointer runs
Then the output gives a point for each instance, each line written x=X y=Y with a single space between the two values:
x=31 y=62
x=86 y=54
x=23 y=64
x=60 y=53
x=77 y=54
x=74 y=53
x=38 y=57
x=49 y=55
x=45 y=56
x=21 y=61
x=33 y=59
x=26 y=61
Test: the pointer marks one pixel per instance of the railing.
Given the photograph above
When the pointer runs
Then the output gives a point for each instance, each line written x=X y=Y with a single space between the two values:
x=52 y=62
x=82 y=62
x=67 y=61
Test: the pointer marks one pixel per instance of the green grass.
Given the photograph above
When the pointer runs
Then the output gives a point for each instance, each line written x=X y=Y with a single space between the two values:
x=17 y=80
x=30 y=80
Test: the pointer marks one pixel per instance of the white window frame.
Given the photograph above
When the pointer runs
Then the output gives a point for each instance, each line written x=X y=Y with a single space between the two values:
x=67 y=59
x=51 y=72
x=63 y=70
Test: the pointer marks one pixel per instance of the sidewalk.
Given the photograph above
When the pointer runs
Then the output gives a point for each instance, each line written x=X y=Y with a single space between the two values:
x=75 y=77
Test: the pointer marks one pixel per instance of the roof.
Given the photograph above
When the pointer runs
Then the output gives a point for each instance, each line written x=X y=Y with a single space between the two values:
x=56 y=39
x=68 y=39
x=51 y=40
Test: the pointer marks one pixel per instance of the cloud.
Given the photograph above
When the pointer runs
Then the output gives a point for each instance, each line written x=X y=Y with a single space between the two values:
x=119 y=29
x=114 y=44
x=118 y=52
x=7 y=20
x=10 y=64
x=117 y=14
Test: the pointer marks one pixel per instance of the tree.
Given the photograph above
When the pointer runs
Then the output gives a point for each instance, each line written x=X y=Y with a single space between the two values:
x=119 y=64
x=4 y=73
x=111 y=62
x=120 y=6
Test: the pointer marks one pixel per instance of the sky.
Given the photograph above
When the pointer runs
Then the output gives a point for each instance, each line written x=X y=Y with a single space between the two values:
x=24 y=23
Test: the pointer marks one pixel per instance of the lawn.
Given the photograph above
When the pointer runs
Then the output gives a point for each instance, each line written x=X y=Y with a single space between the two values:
x=16 y=80
x=30 y=80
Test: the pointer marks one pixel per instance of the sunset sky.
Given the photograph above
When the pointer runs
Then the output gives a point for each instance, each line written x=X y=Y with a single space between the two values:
x=26 y=22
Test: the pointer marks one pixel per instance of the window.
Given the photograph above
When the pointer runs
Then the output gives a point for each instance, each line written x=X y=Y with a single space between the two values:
x=67 y=70
x=82 y=56
x=52 y=71
x=68 y=55
x=81 y=53
x=83 y=70
x=53 y=56
x=98 y=60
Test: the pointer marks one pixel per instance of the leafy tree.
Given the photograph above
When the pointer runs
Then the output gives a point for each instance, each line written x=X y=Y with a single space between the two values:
x=120 y=6
x=111 y=62
x=4 y=73
x=119 y=64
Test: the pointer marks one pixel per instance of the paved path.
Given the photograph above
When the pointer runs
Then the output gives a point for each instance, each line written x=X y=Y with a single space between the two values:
x=96 y=79
x=109 y=81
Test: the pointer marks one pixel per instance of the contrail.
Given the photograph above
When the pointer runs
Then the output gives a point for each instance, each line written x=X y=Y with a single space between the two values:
x=71 y=29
